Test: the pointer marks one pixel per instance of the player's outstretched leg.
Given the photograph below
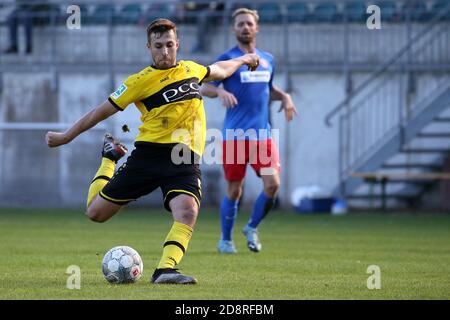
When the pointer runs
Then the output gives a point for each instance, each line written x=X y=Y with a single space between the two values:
x=112 y=151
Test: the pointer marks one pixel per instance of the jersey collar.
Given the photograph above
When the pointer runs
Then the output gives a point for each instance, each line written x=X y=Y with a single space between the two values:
x=154 y=67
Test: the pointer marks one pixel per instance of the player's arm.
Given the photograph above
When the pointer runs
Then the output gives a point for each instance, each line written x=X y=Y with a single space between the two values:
x=89 y=120
x=228 y=99
x=276 y=94
x=223 y=69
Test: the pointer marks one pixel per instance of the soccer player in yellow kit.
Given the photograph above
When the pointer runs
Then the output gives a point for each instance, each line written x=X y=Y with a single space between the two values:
x=167 y=94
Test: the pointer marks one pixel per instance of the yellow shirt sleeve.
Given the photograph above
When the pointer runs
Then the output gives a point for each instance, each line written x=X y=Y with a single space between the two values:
x=127 y=93
x=201 y=72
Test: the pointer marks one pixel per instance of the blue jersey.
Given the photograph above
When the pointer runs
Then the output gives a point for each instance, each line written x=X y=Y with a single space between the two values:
x=252 y=91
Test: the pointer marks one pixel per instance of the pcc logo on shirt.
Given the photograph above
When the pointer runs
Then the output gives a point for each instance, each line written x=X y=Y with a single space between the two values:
x=182 y=90
x=188 y=89
x=255 y=76
x=116 y=94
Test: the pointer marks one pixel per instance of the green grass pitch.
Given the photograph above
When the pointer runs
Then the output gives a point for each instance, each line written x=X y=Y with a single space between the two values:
x=304 y=256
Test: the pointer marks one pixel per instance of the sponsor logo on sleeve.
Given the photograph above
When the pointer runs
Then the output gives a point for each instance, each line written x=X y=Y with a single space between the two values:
x=116 y=94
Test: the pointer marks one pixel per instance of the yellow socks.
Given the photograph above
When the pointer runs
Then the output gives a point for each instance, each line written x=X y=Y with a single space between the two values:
x=175 y=245
x=179 y=235
x=101 y=178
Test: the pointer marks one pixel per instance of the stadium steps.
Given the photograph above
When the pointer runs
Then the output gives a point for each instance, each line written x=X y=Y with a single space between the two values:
x=433 y=135
x=421 y=137
x=426 y=150
x=376 y=202
x=398 y=193
x=424 y=166
x=443 y=119
x=397 y=142
x=376 y=196
x=433 y=163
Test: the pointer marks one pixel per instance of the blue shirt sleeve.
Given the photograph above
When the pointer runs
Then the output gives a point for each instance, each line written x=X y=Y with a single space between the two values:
x=273 y=72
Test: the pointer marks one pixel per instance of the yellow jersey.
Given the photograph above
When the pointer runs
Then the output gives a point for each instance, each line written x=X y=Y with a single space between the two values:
x=170 y=104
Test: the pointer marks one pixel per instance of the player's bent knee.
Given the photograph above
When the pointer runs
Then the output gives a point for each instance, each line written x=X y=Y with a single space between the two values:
x=235 y=194
x=185 y=209
x=189 y=214
x=272 y=189
x=234 y=191
x=101 y=210
x=189 y=209
x=95 y=216
x=98 y=215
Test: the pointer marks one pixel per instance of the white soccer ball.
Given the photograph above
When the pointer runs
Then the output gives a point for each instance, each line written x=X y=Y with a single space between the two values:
x=122 y=264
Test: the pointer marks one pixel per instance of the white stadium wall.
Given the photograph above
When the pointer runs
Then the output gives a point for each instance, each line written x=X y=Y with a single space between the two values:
x=32 y=174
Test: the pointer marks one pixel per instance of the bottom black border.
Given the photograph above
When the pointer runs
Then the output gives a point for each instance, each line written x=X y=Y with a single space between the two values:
x=223 y=309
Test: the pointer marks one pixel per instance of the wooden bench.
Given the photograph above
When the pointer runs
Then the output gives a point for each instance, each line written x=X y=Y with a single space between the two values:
x=384 y=177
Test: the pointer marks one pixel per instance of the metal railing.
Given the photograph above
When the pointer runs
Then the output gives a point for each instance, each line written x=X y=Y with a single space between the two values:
x=383 y=103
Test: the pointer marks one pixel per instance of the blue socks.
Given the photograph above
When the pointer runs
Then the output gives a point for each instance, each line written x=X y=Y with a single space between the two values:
x=261 y=208
x=228 y=213
x=229 y=209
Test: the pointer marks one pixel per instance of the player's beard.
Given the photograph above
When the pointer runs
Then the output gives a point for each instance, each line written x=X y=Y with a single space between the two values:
x=166 y=63
x=247 y=39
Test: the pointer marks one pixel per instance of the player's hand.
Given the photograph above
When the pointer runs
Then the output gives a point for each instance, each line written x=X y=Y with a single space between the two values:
x=251 y=60
x=55 y=139
x=289 y=108
x=228 y=99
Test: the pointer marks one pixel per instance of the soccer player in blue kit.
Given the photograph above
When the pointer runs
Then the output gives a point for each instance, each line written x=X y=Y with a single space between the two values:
x=246 y=131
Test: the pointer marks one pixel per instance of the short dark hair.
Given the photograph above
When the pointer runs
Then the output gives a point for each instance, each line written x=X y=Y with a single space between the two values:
x=160 y=26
